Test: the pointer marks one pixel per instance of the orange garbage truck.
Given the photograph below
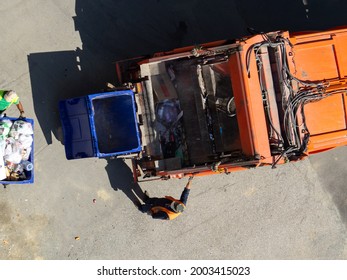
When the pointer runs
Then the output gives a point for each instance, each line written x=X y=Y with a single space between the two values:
x=220 y=107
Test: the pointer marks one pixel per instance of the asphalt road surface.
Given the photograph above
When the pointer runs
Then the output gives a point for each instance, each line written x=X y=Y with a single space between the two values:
x=52 y=50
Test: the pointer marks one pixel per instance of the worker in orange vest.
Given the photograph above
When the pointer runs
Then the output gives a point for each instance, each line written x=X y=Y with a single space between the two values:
x=166 y=208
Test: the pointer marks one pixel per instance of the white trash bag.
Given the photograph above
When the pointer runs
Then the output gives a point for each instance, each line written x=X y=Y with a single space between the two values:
x=5 y=126
x=21 y=127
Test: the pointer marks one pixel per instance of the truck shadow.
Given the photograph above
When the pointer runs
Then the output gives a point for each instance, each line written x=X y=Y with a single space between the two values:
x=121 y=178
x=298 y=15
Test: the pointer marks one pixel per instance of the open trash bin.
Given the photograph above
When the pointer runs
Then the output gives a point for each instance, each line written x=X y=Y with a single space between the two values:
x=16 y=151
x=100 y=125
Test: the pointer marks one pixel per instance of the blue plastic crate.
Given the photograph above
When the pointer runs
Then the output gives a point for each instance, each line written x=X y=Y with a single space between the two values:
x=29 y=174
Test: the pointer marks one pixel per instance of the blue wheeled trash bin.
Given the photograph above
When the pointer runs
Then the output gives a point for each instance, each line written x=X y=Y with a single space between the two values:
x=100 y=125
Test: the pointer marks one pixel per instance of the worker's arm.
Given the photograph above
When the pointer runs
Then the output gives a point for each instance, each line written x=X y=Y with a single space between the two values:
x=20 y=109
x=186 y=191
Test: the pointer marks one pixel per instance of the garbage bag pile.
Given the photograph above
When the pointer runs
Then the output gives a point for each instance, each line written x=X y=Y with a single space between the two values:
x=170 y=128
x=16 y=138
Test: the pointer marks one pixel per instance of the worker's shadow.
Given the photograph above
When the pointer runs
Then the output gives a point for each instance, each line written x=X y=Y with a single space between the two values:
x=121 y=178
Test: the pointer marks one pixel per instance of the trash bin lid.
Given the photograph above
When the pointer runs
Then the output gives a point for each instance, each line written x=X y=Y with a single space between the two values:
x=78 y=138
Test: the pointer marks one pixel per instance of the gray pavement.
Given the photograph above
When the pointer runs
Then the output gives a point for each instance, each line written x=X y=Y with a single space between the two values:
x=51 y=50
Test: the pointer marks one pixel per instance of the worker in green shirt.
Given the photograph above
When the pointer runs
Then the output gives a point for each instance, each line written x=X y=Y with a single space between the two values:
x=7 y=98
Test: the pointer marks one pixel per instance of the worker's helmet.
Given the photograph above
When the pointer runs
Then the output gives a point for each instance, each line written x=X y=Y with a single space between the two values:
x=10 y=95
x=177 y=207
